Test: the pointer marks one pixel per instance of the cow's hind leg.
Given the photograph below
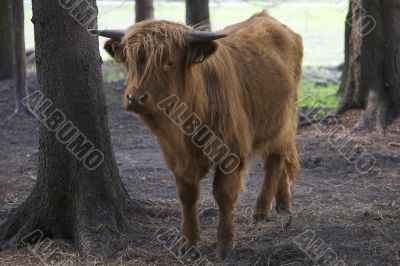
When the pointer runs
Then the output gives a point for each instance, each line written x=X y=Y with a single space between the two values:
x=289 y=175
x=273 y=167
x=226 y=190
x=189 y=196
x=283 y=195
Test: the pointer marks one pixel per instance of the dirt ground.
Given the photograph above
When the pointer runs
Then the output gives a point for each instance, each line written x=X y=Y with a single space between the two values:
x=346 y=207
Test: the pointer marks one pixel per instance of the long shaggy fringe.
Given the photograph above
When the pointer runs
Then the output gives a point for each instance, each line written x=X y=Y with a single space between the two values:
x=158 y=41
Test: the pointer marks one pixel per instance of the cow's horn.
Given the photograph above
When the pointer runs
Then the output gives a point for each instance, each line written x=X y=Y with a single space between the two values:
x=202 y=36
x=112 y=34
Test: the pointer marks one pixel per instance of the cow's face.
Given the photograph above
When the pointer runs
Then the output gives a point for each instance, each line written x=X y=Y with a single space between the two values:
x=157 y=55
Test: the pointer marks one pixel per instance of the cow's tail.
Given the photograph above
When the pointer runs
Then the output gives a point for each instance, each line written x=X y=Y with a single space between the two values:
x=292 y=165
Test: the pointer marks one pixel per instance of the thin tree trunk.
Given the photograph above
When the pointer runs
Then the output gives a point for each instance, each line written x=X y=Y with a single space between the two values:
x=5 y=40
x=198 y=14
x=144 y=10
x=69 y=200
x=374 y=65
x=354 y=95
x=347 y=33
x=18 y=53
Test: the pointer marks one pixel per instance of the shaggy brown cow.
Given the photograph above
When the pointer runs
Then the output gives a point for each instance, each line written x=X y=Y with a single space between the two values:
x=241 y=89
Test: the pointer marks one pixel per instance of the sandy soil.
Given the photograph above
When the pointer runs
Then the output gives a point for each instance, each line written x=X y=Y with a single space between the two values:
x=343 y=213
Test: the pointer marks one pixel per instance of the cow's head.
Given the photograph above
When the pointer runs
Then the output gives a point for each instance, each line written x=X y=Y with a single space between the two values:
x=157 y=55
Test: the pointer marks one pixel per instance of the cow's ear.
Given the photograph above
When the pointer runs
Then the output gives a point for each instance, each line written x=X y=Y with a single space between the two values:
x=115 y=48
x=199 y=52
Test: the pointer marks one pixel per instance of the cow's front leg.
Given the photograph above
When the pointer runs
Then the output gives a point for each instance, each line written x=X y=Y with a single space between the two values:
x=226 y=191
x=189 y=196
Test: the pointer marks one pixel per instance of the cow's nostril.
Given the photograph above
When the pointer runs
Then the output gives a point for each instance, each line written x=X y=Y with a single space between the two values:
x=143 y=98
x=129 y=97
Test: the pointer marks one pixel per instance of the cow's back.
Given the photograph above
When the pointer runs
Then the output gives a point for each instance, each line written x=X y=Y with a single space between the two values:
x=268 y=59
x=262 y=35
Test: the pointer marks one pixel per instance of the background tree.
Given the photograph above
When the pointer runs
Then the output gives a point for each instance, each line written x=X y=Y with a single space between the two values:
x=144 y=10
x=373 y=79
x=18 y=53
x=70 y=201
x=5 y=40
x=347 y=32
x=198 y=14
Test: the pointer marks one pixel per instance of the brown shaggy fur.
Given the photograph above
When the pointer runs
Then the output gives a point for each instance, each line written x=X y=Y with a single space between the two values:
x=245 y=90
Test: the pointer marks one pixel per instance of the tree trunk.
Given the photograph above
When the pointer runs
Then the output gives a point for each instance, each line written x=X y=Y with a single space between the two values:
x=197 y=14
x=71 y=199
x=347 y=33
x=144 y=10
x=5 y=40
x=374 y=64
x=18 y=53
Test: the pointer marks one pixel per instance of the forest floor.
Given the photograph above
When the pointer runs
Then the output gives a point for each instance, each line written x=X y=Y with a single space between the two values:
x=346 y=208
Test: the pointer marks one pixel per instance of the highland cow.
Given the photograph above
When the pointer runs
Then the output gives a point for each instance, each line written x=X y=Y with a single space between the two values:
x=241 y=85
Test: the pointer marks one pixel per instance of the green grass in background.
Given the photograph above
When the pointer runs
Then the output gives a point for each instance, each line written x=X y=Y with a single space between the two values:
x=113 y=73
x=313 y=96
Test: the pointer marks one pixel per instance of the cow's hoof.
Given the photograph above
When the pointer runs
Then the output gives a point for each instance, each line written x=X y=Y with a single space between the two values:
x=283 y=210
x=226 y=255
x=192 y=252
x=260 y=218
x=288 y=222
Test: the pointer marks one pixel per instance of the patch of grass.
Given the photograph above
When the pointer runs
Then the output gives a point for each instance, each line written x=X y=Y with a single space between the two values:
x=113 y=75
x=324 y=97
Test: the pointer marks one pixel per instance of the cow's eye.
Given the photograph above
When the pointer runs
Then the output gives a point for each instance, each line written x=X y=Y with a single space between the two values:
x=170 y=64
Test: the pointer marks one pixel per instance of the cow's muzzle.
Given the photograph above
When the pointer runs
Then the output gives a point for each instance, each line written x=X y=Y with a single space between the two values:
x=138 y=103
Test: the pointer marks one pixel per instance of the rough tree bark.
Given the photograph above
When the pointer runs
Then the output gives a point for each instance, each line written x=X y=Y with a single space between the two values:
x=374 y=64
x=70 y=201
x=144 y=10
x=5 y=40
x=198 y=14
